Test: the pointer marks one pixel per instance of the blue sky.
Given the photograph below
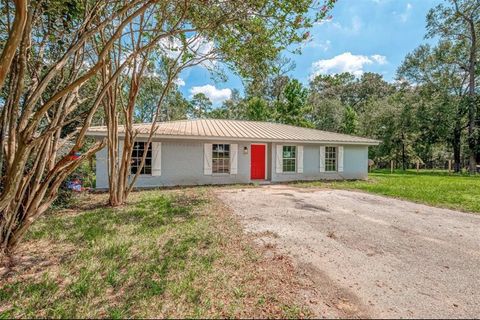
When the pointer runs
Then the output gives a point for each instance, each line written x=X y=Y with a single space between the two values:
x=363 y=35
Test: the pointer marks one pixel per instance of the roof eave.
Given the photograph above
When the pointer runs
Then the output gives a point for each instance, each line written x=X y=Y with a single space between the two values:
x=214 y=138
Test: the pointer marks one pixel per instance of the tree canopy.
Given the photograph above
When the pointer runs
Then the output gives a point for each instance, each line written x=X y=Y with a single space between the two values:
x=66 y=64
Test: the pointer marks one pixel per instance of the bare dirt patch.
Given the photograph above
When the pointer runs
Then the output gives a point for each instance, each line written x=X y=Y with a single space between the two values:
x=361 y=255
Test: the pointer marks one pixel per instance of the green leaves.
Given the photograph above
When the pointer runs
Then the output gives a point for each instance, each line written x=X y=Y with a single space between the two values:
x=200 y=106
x=293 y=107
x=350 y=121
x=258 y=109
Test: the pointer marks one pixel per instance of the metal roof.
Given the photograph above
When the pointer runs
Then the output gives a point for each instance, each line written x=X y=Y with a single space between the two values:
x=215 y=129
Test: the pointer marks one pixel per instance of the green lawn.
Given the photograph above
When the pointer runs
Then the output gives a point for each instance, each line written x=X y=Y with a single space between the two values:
x=167 y=254
x=436 y=188
x=176 y=253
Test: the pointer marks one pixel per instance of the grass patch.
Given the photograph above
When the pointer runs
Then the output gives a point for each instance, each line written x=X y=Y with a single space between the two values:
x=436 y=188
x=175 y=253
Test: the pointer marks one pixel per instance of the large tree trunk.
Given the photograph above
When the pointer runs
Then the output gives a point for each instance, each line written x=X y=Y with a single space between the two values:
x=457 y=143
x=404 y=156
x=472 y=130
x=472 y=101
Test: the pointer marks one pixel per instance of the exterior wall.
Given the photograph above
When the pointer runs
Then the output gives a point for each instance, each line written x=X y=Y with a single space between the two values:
x=355 y=164
x=182 y=164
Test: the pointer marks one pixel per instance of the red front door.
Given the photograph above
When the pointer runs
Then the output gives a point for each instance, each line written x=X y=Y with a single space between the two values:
x=257 y=161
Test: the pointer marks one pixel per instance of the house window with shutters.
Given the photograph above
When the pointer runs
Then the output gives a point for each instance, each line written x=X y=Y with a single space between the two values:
x=220 y=158
x=289 y=158
x=330 y=159
x=137 y=154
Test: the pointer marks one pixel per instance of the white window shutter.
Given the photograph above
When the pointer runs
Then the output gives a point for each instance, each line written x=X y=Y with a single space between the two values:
x=300 y=159
x=233 y=158
x=340 y=159
x=279 y=159
x=322 y=158
x=156 y=158
x=207 y=159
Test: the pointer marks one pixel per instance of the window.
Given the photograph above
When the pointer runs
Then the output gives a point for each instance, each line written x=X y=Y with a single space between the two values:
x=221 y=158
x=137 y=154
x=330 y=159
x=289 y=158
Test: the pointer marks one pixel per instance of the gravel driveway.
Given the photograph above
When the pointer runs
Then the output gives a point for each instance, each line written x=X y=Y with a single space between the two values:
x=367 y=255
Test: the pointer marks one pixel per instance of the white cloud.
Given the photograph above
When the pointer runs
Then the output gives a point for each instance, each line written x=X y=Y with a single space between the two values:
x=322 y=45
x=405 y=14
x=346 y=62
x=179 y=82
x=215 y=95
x=201 y=47
x=379 y=59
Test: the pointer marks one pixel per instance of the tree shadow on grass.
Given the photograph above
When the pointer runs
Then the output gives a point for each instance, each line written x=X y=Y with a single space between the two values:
x=103 y=235
x=32 y=259
x=151 y=213
x=147 y=214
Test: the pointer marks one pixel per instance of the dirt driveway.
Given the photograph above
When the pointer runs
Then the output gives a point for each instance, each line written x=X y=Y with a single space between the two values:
x=369 y=256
